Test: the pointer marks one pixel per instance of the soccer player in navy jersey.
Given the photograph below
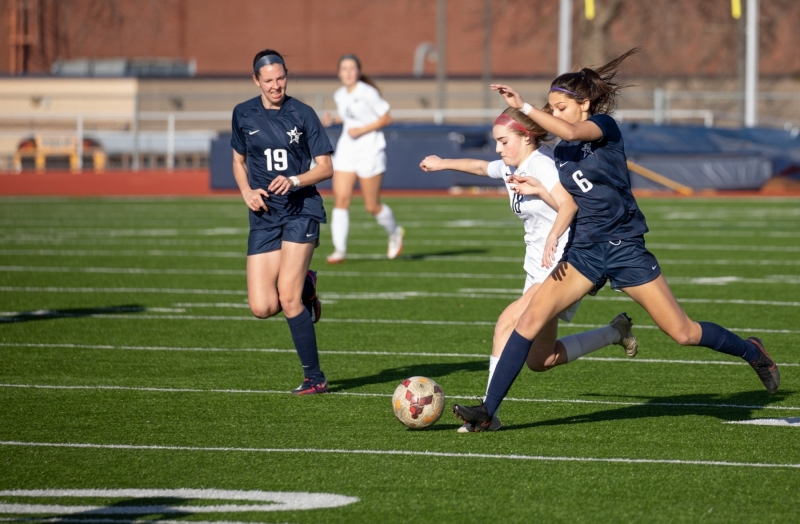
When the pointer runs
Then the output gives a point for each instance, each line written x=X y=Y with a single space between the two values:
x=607 y=236
x=276 y=141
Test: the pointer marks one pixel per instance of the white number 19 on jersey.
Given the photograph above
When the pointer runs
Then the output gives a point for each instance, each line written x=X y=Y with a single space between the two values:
x=583 y=183
x=279 y=158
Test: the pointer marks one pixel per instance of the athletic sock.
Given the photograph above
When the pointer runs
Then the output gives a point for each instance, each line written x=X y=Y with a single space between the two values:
x=720 y=339
x=508 y=367
x=386 y=219
x=340 y=226
x=581 y=344
x=492 y=366
x=305 y=342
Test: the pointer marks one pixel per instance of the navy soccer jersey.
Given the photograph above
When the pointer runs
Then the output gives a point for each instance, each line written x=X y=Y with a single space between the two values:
x=280 y=142
x=596 y=175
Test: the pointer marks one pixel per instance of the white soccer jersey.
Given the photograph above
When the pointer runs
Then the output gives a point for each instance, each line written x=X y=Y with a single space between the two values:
x=358 y=108
x=536 y=215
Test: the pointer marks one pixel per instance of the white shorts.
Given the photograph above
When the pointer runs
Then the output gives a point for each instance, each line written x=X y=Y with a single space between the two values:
x=363 y=164
x=565 y=315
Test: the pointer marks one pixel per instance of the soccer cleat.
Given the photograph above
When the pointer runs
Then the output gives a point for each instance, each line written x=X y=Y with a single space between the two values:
x=309 y=388
x=312 y=304
x=337 y=257
x=624 y=324
x=765 y=367
x=469 y=428
x=396 y=243
x=476 y=416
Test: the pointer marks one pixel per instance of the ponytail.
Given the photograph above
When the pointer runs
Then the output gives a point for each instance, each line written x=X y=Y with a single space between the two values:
x=596 y=85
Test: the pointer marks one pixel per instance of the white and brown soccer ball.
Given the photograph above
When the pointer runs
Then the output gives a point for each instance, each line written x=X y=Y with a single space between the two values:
x=418 y=402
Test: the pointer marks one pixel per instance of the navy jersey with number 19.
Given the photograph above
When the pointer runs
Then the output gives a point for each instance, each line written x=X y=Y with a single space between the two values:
x=280 y=142
x=596 y=175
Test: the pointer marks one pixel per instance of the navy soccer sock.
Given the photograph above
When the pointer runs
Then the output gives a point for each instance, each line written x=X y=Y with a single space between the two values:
x=720 y=339
x=305 y=342
x=508 y=367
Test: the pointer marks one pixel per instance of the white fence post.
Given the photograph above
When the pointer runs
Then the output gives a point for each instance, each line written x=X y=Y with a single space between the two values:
x=171 y=141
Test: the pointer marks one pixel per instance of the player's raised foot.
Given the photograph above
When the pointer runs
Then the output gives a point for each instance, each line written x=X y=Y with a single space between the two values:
x=765 y=367
x=469 y=428
x=310 y=299
x=396 y=243
x=337 y=257
x=624 y=325
x=309 y=387
x=477 y=416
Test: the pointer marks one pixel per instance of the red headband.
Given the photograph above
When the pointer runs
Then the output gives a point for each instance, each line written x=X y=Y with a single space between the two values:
x=507 y=121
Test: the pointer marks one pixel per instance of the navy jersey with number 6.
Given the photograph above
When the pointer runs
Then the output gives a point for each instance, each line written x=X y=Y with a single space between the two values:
x=280 y=142
x=596 y=175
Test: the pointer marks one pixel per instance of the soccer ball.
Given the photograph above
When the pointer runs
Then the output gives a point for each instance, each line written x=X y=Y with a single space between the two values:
x=418 y=402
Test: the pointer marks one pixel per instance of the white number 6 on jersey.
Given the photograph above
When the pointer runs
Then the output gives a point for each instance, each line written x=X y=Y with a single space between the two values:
x=583 y=183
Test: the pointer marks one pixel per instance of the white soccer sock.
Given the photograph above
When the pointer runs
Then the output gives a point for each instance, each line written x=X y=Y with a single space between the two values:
x=386 y=219
x=584 y=343
x=340 y=226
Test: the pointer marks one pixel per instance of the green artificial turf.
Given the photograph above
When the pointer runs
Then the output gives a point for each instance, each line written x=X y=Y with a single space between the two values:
x=129 y=360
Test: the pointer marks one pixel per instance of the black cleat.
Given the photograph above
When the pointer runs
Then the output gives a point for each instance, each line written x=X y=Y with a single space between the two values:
x=311 y=302
x=765 y=367
x=477 y=416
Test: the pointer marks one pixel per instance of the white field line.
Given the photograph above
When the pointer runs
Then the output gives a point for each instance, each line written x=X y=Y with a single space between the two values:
x=509 y=294
x=703 y=405
x=415 y=354
x=407 y=454
x=791 y=422
x=15 y=317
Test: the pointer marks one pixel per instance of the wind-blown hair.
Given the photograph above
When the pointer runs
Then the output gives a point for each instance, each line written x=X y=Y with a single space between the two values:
x=596 y=85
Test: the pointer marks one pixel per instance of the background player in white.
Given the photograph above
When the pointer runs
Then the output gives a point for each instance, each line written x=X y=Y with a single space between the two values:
x=360 y=155
x=546 y=209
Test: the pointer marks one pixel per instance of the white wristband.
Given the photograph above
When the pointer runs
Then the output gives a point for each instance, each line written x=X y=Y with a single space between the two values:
x=295 y=181
x=526 y=108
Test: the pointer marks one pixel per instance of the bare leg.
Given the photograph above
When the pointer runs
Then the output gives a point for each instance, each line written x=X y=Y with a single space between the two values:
x=659 y=302
x=262 y=281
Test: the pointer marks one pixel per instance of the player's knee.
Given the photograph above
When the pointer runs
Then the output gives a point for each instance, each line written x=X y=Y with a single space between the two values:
x=684 y=338
x=540 y=365
x=264 y=310
x=373 y=209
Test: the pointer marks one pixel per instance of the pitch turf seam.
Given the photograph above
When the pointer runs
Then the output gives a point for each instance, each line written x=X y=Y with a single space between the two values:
x=409 y=453
x=698 y=405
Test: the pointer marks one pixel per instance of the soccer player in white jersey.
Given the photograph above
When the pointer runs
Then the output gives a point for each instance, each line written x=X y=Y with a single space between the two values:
x=546 y=210
x=360 y=156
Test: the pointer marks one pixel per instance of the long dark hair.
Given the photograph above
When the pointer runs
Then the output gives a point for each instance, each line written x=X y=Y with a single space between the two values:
x=271 y=53
x=534 y=130
x=361 y=76
x=596 y=85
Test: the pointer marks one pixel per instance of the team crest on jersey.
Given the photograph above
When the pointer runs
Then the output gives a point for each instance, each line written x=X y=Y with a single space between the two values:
x=587 y=150
x=294 y=136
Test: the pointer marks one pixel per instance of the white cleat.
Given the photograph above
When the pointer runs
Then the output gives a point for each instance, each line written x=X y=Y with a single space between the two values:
x=624 y=325
x=337 y=257
x=396 y=243
x=494 y=426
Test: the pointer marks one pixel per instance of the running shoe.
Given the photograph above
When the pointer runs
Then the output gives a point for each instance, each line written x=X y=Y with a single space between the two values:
x=765 y=367
x=624 y=325
x=312 y=303
x=396 y=243
x=469 y=428
x=337 y=257
x=477 y=416
x=309 y=388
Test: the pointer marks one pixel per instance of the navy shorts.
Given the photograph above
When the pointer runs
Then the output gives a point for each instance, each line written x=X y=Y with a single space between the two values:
x=301 y=230
x=626 y=263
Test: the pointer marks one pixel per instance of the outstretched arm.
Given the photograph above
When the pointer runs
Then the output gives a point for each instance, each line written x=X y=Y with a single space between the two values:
x=465 y=165
x=584 y=131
